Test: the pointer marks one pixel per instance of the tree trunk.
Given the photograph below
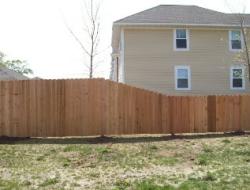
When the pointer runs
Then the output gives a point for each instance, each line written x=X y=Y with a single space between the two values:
x=246 y=46
x=246 y=51
x=91 y=67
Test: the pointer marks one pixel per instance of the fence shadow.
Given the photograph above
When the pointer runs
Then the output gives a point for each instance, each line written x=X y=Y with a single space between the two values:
x=116 y=139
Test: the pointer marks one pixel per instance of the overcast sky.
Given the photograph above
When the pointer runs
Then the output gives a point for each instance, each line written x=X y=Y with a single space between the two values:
x=34 y=30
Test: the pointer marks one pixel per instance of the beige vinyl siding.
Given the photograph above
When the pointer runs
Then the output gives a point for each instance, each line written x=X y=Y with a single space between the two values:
x=150 y=61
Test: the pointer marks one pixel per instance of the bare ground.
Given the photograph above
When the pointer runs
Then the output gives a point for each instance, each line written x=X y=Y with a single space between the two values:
x=139 y=162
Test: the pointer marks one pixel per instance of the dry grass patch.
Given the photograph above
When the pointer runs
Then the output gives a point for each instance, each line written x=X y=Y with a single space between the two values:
x=126 y=163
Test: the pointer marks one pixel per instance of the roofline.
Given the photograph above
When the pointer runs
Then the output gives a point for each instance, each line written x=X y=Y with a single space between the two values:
x=117 y=21
x=175 y=24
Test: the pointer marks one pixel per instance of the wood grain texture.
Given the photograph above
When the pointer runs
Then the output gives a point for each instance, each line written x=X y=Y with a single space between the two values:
x=58 y=108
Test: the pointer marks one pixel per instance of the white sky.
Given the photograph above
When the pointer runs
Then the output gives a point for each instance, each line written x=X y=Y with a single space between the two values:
x=34 y=30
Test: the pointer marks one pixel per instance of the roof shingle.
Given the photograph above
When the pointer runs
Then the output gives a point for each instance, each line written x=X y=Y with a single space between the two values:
x=182 y=14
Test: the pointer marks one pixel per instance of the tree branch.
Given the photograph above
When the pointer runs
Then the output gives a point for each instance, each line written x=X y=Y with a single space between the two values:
x=93 y=32
x=78 y=40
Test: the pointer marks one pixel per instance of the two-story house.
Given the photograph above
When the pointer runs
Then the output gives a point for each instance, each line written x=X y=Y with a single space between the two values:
x=176 y=49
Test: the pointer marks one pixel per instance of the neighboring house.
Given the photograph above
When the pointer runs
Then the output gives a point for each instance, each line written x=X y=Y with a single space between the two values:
x=7 y=74
x=36 y=78
x=176 y=49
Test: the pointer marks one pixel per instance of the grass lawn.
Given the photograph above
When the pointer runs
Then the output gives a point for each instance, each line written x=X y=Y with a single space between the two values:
x=143 y=163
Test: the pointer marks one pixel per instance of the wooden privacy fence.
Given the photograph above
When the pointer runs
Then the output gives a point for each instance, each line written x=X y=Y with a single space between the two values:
x=56 y=108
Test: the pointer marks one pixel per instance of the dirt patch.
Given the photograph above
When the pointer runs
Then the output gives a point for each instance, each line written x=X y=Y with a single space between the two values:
x=121 y=163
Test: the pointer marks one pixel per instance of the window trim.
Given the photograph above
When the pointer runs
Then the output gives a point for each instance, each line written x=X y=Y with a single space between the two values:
x=176 y=77
x=187 y=38
x=231 y=78
x=230 y=41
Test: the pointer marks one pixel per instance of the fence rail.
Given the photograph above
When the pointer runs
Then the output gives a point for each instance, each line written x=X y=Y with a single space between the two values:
x=57 y=108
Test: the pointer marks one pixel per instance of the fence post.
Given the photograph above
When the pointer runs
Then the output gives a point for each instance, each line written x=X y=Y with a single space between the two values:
x=211 y=113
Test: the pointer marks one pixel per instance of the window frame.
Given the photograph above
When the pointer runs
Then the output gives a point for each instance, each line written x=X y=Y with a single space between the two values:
x=187 y=39
x=230 y=41
x=232 y=78
x=176 y=77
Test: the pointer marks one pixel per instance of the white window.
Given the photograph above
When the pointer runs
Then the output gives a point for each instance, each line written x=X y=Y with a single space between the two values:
x=181 y=40
x=237 y=79
x=182 y=78
x=235 y=40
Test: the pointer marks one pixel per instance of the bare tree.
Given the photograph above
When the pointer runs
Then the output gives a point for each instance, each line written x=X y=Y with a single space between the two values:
x=92 y=29
x=240 y=16
x=244 y=32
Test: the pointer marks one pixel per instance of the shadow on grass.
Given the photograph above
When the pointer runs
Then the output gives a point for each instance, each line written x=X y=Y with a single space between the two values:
x=116 y=139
